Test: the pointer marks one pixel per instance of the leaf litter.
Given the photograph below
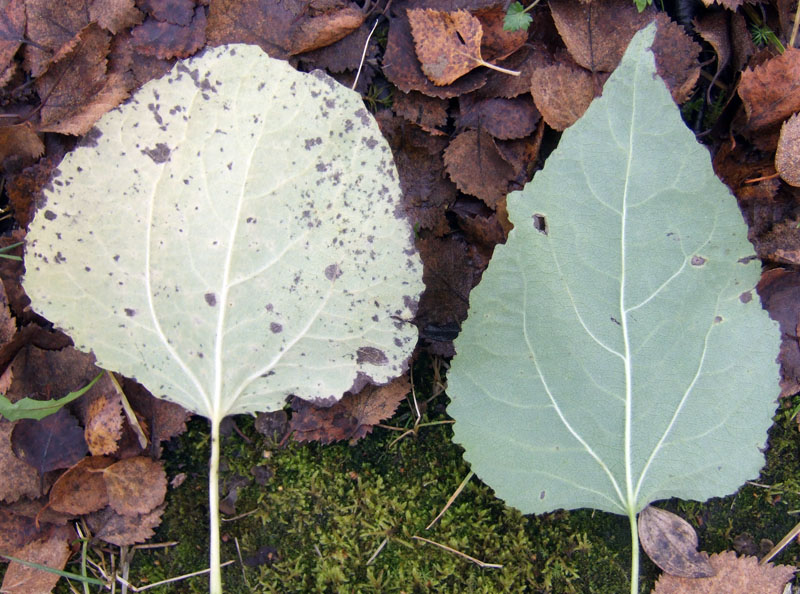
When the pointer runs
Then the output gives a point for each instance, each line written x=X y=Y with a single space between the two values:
x=83 y=46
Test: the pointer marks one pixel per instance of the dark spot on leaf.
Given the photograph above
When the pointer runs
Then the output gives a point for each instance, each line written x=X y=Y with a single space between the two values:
x=746 y=297
x=211 y=299
x=50 y=215
x=718 y=319
x=541 y=495
x=698 y=261
x=159 y=154
x=371 y=355
x=332 y=272
x=276 y=328
x=130 y=312
x=540 y=223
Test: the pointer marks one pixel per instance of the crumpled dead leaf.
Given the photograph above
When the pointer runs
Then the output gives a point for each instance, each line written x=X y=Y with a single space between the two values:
x=671 y=543
x=103 y=425
x=735 y=575
x=352 y=417
x=771 y=92
x=787 y=157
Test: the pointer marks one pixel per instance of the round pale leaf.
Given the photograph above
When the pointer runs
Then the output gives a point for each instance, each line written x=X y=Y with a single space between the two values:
x=231 y=235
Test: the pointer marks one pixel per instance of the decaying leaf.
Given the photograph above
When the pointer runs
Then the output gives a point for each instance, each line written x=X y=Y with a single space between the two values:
x=671 y=543
x=52 y=443
x=324 y=29
x=163 y=39
x=103 y=428
x=562 y=92
x=787 y=157
x=121 y=530
x=20 y=140
x=476 y=166
x=502 y=118
x=779 y=289
x=771 y=92
x=352 y=417
x=53 y=551
x=734 y=575
x=497 y=42
x=114 y=15
x=429 y=113
x=81 y=490
x=135 y=486
x=12 y=30
x=19 y=479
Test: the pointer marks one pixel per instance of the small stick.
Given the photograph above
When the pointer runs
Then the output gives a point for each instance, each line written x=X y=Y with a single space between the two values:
x=782 y=544
x=170 y=580
x=477 y=562
x=377 y=551
x=364 y=54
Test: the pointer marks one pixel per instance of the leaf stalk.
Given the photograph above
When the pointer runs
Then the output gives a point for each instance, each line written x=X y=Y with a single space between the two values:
x=215 y=577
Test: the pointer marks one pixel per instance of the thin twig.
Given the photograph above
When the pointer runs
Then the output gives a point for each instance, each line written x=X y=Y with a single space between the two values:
x=377 y=551
x=169 y=581
x=782 y=544
x=793 y=36
x=364 y=54
x=477 y=562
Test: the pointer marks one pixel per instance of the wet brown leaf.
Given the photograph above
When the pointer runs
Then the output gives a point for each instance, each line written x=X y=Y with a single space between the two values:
x=322 y=30
x=177 y=12
x=351 y=418
x=166 y=40
x=12 y=30
x=676 y=58
x=115 y=15
x=19 y=479
x=52 y=443
x=20 y=140
x=671 y=543
x=448 y=44
x=345 y=54
x=16 y=531
x=477 y=167
x=25 y=188
x=80 y=491
x=429 y=113
x=266 y=23
x=787 y=157
x=103 y=428
x=121 y=530
x=402 y=68
x=562 y=92
x=53 y=27
x=52 y=551
x=779 y=289
x=597 y=33
x=771 y=92
x=502 y=118
x=135 y=485
x=497 y=43
x=735 y=575
x=525 y=61
x=77 y=90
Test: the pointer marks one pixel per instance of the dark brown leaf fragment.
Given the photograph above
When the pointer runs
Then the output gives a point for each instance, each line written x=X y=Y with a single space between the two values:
x=52 y=551
x=477 y=167
x=671 y=543
x=122 y=530
x=166 y=40
x=52 y=443
x=771 y=92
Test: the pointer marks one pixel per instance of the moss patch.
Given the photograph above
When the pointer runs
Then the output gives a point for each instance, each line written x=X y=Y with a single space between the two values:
x=341 y=519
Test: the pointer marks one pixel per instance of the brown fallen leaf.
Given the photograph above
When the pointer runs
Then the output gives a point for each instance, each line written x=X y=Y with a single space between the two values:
x=351 y=418
x=676 y=58
x=735 y=575
x=781 y=244
x=20 y=141
x=345 y=54
x=81 y=490
x=562 y=92
x=779 y=289
x=53 y=29
x=771 y=92
x=120 y=530
x=135 y=485
x=177 y=12
x=52 y=443
x=19 y=479
x=321 y=30
x=12 y=30
x=732 y=5
x=52 y=551
x=477 y=167
x=671 y=543
x=597 y=33
x=402 y=68
x=167 y=40
x=713 y=27
x=502 y=118
x=429 y=113
x=163 y=419
x=497 y=42
x=787 y=157
x=115 y=15
x=77 y=89
x=103 y=428
x=16 y=530
x=448 y=44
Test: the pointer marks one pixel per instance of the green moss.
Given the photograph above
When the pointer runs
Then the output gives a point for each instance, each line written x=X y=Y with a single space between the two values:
x=328 y=509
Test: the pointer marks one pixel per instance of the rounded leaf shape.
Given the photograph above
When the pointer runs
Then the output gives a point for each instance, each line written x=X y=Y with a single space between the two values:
x=231 y=235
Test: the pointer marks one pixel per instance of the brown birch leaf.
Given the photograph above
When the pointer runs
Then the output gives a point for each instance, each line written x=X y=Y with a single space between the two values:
x=771 y=92
x=135 y=485
x=671 y=543
x=79 y=490
x=787 y=157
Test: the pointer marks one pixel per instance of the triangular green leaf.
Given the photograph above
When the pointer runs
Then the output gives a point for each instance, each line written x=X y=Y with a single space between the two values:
x=616 y=351
x=231 y=236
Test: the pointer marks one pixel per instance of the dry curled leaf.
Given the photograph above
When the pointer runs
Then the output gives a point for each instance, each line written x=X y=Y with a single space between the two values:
x=771 y=92
x=671 y=543
x=350 y=418
x=787 y=157
x=135 y=485
x=735 y=575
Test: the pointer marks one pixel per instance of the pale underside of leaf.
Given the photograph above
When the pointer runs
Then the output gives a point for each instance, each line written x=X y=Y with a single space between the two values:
x=231 y=236
x=616 y=352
